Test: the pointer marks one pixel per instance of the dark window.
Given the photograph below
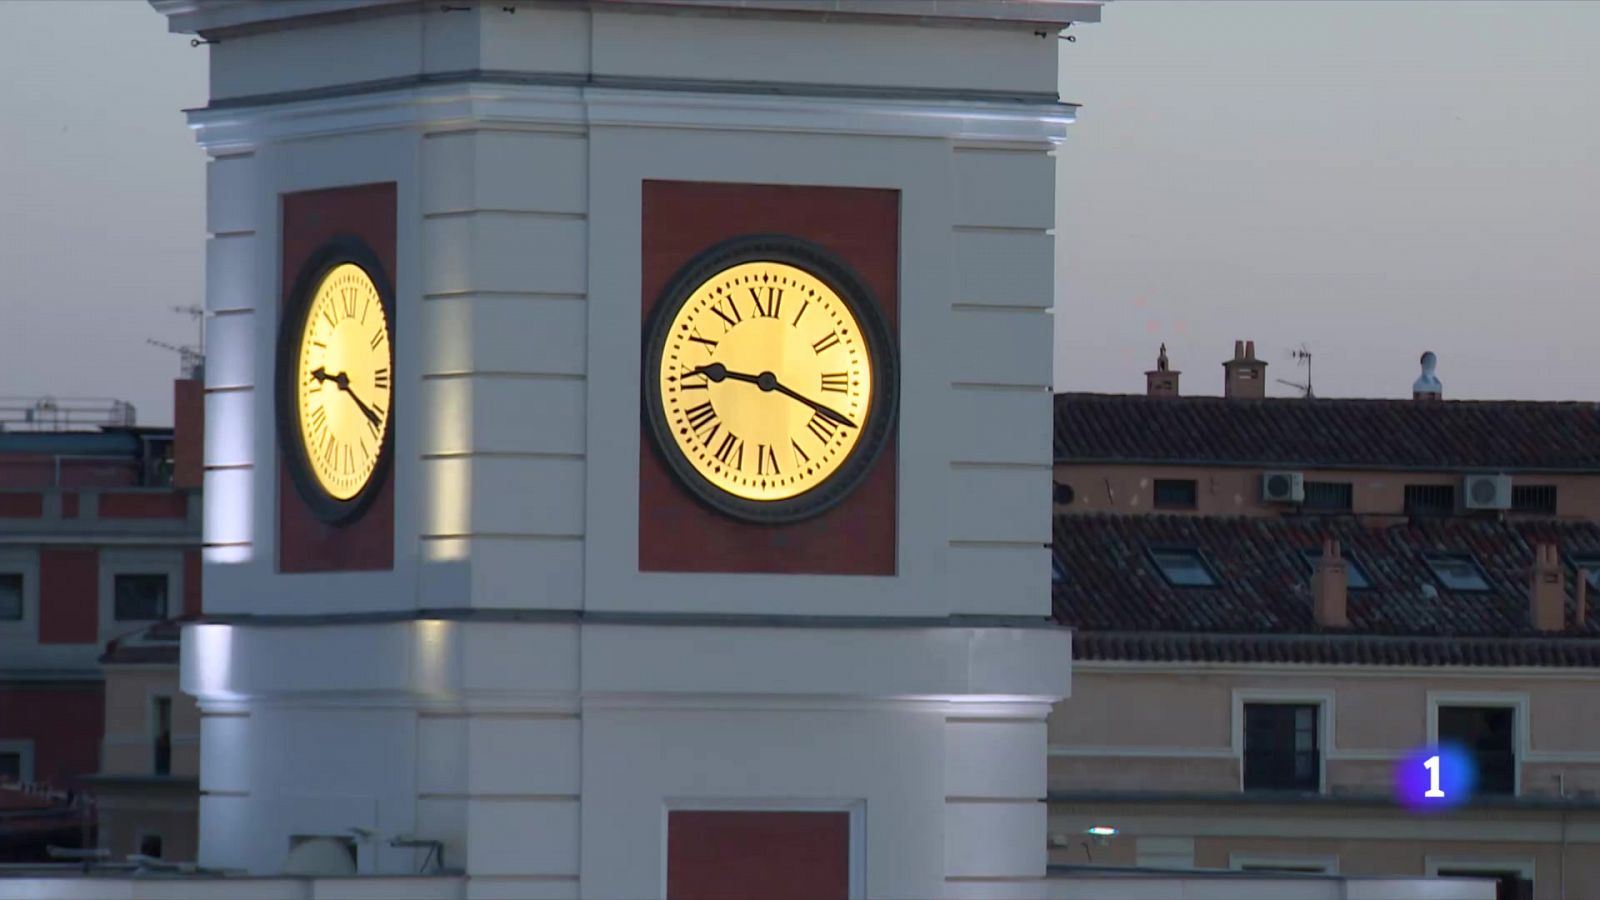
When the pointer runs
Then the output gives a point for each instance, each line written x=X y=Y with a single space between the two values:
x=1183 y=567
x=1591 y=564
x=1430 y=499
x=1058 y=572
x=10 y=766
x=1175 y=493
x=162 y=726
x=1355 y=577
x=1064 y=494
x=1534 y=498
x=1280 y=747
x=10 y=597
x=1487 y=733
x=1304 y=869
x=1508 y=885
x=150 y=845
x=141 y=597
x=1458 y=572
x=1328 y=496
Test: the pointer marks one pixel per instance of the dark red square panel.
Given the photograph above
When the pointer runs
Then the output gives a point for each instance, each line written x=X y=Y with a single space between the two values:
x=739 y=855
x=677 y=533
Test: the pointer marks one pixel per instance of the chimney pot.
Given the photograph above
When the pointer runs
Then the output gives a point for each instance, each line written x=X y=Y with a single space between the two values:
x=1162 y=381
x=1546 y=590
x=1244 y=376
x=1330 y=588
x=1238 y=349
x=1250 y=349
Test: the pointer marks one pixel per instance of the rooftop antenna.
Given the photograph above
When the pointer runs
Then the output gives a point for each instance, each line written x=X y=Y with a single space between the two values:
x=191 y=357
x=1302 y=356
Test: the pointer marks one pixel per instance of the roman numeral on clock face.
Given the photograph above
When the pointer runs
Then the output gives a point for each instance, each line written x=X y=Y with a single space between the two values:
x=349 y=302
x=731 y=317
x=766 y=460
x=731 y=451
x=831 y=340
x=767 y=308
x=800 y=457
x=822 y=428
x=838 y=382
x=380 y=378
x=701 y=416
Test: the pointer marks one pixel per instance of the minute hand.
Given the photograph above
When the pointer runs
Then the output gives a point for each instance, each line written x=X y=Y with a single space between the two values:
x=822 y=411
x=769 y=382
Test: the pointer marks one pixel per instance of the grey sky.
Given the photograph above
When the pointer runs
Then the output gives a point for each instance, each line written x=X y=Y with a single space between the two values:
x=1373 y=179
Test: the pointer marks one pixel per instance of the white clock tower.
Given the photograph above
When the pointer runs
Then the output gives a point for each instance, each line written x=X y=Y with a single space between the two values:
x=551 y=642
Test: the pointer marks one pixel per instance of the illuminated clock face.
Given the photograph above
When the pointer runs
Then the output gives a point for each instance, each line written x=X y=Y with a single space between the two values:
x=768 y=383
x=343 y=381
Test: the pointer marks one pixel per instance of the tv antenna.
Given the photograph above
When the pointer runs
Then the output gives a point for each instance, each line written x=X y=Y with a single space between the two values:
x=1302 y=357
x=191 y=357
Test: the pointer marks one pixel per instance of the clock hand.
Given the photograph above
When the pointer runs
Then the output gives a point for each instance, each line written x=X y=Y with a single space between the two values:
x=769 y=382
x=342 y=380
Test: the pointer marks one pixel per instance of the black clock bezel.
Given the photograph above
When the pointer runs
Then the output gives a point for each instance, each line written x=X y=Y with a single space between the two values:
x=881 y=355
x=292 y=323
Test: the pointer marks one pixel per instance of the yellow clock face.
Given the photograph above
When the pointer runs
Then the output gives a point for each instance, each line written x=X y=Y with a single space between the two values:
x=343 y=383
x=765 y=380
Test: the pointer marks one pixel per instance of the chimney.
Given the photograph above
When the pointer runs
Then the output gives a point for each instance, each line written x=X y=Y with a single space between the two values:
x=1427 y=385
x=1580 y=593
x=1161 y=381
x=1330 y=588
x=188 y=432
x=1547 y=590
x=1244 y=377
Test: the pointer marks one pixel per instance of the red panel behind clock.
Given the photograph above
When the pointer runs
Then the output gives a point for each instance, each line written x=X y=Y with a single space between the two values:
x=305 y=542
x=862 y=226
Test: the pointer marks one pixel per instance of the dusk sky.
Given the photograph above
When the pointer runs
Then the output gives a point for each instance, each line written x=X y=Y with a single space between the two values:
x=1369 y=179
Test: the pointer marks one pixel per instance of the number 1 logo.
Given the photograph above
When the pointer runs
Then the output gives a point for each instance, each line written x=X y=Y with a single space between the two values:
x=1432 y=765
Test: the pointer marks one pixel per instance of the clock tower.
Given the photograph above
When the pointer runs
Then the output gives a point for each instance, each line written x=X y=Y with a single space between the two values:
x=629 y=442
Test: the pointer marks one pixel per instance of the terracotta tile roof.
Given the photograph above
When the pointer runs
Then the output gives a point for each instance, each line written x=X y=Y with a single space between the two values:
x=1260 y=609
x=1384 y=434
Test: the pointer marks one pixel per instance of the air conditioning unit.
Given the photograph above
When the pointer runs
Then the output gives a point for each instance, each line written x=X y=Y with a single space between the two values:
x=1283 y=487
x=1486 y=491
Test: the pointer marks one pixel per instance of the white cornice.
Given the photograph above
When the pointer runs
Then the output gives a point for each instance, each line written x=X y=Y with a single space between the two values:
x=546 y=107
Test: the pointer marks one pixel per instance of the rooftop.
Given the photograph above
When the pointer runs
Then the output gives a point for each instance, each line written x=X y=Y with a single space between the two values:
x=1446 y=591
x=1506 y=436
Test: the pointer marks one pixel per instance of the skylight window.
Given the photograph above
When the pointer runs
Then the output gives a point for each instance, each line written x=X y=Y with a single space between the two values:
x=1458 y=573
x=1355 y=577
x=1592 y=564
x=1058 y=572
x=1183 y=567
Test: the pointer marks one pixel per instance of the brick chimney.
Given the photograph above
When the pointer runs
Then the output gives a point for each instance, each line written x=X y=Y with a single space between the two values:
x=1547 y=590
x=1244 y=377
x=188 y=433
x=1330 y=588
x=1161 y=381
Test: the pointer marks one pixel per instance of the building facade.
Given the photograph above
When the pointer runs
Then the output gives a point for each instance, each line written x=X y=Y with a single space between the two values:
x=1278 y=601
x=99 y=539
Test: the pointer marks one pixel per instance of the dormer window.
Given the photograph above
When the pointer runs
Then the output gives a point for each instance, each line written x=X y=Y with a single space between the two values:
x=1458 y=572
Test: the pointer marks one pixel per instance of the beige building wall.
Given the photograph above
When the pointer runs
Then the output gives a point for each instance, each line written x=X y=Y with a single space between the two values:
x=1236 y=491
x=1156 y=728
x=130 y=721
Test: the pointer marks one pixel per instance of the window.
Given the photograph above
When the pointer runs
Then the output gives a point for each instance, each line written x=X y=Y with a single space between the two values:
x=1592 y=565
x=1058 y=572
x=1430 y=499
x=1183 y=567
x=150 y=845
x=1355 y=577
x=1064 y=494
x=10 y=597
x=10 y=766
x=1458 y=572
x=1534 y=498
x=1305 y=865
x=1176 y=493
x=140 y=597
x=1488 y=733
x=1328 y=496
x=1510 y=884
x=1281 y=751
x=161 y=722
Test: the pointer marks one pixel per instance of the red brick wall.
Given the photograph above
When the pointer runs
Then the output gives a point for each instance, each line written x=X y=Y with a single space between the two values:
x=735 y=855
x=14 y=505
x=36 y=470
x=65 y=724
x=69 y=596
x=162 y=505
x=861 y=226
